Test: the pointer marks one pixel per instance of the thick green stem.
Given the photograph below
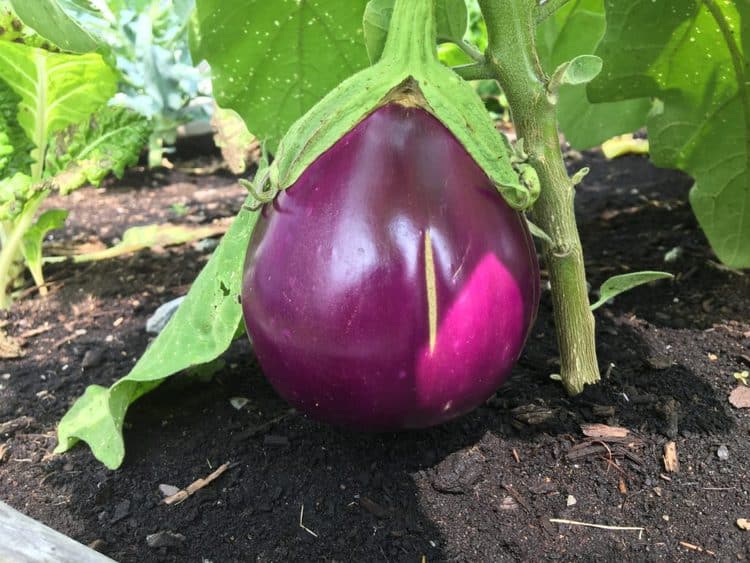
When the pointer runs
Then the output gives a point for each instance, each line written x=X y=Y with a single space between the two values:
x=10 y=253
x=512 y=56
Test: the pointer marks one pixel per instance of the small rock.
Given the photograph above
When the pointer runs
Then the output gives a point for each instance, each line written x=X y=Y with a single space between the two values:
x=273 y=440
x=206 y=244
x=508 y=503
x=122 y=510
x=722 y=453
x=156 y=323
x=743 y=524
x=92 y=358
x=168 y=490
x=571 y=501
x=239 y=402
x=164 y=538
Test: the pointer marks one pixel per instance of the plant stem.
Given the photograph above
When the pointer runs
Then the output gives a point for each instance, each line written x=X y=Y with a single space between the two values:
x=12 y=247
x=512 y=56
x=472 y=52
x=474 y=71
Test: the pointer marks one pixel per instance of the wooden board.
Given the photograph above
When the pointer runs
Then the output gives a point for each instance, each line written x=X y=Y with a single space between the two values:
x=24 y=540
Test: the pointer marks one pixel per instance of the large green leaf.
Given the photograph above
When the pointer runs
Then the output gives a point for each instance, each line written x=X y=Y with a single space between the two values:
x=681 y=52
x=19 y=159
x=108 y=141
x=271 y=61
x=201 y=329
x=50 y=20
x=574 y=30
x=55 y=90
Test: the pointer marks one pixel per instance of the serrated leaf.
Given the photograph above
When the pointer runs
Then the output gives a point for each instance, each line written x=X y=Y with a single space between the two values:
x=107 y=142
x=55 y=90
x=32 y=240
x=574 y=30
x=625 y=282
x=451 y=19
x=283 y=57
x=680 y=52
x=50 y=19
x=200 y=330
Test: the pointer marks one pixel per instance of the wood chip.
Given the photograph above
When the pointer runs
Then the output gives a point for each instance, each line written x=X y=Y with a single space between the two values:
x=740 y=397
x=3 y=452
x=603 y=431
x=195 y=486
x=622 y=486
x=671 y=462
x=743 y=524
x=697 y=548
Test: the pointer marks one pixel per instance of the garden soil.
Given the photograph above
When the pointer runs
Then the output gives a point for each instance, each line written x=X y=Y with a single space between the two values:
x=491 y=486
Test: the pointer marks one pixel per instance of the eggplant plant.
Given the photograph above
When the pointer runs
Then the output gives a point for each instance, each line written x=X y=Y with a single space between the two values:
x=389 y=279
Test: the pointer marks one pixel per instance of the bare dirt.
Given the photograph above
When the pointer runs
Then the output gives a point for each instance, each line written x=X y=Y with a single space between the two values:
x=486 y=487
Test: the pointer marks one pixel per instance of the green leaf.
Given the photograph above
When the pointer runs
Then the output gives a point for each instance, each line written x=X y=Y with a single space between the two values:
x=625 y=282
x=451 y=19
x=579 y=70
x=681 y=52
x=55 y=91
x=19 y=158
x=200 y=330
x=271 y=61
x=50 y=20
x=32 y=240
x=108 y=141
x=574 y=30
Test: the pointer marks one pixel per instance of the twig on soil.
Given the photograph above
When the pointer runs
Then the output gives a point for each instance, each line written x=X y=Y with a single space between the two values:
x=516 y=495
x=301 y=525
x=14 y=425
x=195 y=486
x=516 y=456
x=639 y=529
x=697 y=548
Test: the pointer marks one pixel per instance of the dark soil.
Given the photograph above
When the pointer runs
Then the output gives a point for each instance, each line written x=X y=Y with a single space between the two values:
x=482 y=488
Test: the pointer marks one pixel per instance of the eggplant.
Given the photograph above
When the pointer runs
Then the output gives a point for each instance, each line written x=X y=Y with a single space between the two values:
x=391 y=286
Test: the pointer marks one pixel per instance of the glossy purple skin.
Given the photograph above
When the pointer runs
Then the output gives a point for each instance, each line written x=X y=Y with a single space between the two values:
x=335 y=292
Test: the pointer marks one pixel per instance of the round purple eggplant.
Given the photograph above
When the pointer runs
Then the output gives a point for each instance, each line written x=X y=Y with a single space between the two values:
x=390 y=286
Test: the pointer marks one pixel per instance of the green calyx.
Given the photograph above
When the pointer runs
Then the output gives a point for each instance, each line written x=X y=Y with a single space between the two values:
x=410 y=73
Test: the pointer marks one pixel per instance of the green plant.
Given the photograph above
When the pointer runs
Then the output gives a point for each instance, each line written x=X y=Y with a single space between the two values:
x=55 y=135
x=541 y=56
x=146 y=41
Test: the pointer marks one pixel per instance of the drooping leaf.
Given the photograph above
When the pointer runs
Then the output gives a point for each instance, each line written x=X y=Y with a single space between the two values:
x=451 y=19
x=106 y=142
x=200 y=330
x=50 y=20
x=574 y=30
x=32 y=240
x=692 y=56
x=13 y=29
x=55 y=90
x=625 y=282
x=282 y=58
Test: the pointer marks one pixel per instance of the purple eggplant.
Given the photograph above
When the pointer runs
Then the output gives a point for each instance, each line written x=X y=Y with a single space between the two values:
x=390 y=286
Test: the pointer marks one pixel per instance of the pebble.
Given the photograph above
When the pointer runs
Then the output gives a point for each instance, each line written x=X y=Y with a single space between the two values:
x=92 y=358
x=722 y=453
x=156 y=323
x=168 y=490
x=164 y=538
x=571 y=500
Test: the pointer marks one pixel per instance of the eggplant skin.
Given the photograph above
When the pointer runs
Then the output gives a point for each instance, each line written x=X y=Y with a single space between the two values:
x=390 y=286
